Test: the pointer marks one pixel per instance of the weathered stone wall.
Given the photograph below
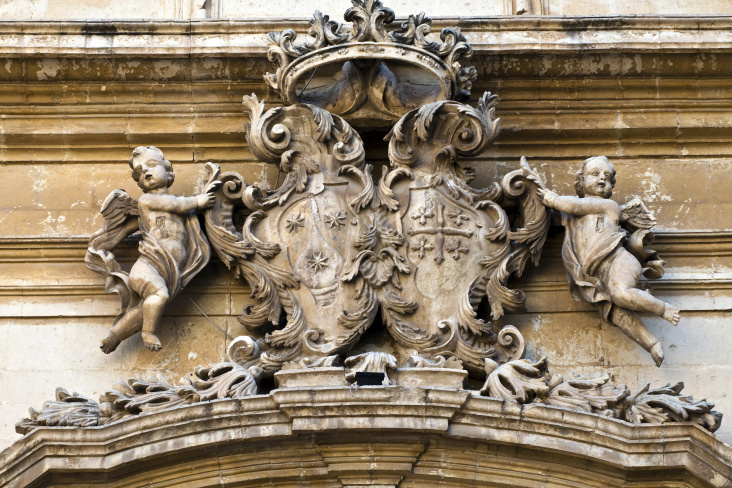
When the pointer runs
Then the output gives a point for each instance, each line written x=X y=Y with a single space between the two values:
x=273 y=9
x=75 y=98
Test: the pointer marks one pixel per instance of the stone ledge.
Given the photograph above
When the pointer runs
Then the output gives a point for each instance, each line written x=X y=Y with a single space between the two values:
x=491 y=35
x=481 y=440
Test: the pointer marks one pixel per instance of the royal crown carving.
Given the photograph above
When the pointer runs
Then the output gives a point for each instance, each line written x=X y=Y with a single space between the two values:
x=373 y=73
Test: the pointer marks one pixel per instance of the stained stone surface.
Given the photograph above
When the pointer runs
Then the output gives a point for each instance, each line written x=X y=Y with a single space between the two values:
x=200 y=9
x=371 y=436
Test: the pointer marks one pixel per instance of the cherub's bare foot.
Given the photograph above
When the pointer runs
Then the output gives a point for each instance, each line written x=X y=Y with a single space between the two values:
x=151 y=341
x=671 y=314
x=657 y=354
x=109 y=343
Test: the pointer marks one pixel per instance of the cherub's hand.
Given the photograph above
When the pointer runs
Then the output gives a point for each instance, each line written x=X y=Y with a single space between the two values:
x=207 y=200
x=547 y=196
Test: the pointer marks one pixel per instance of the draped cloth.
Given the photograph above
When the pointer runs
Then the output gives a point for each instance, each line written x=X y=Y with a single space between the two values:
x=587 y=276
x=99 y=258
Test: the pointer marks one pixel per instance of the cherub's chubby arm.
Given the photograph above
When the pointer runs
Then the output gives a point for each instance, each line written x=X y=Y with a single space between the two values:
x=579 y=206
x=178 y=205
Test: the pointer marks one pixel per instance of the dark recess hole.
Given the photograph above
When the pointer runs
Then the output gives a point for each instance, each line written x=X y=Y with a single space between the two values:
x=369 y=379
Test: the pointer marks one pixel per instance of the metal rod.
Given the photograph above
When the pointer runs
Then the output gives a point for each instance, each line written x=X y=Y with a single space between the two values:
x=306 y=84
x=209 y=318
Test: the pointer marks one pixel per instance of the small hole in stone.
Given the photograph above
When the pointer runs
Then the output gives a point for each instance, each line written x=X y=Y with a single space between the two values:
x=369 y=379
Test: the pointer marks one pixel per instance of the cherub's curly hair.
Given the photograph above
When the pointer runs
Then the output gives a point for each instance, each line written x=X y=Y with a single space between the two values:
x=141 y=150
x=579 y=176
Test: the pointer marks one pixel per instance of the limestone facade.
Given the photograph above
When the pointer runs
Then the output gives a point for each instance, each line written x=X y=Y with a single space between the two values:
x=650 y=93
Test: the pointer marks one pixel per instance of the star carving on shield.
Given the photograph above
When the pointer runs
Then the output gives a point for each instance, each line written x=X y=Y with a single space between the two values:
x=335 y=220
x=294 y=222
x=318 y=262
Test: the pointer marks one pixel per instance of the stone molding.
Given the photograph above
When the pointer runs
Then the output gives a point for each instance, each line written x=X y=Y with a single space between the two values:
x=405 y=429
x=505 y=35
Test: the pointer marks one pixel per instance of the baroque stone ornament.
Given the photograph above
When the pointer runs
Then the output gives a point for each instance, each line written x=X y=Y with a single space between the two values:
x=330 y=250
x=172 y=248
x=525 y=382
x=422 y=246
x=460 y=248
x=139 y=396
x=296 y=244
x=604 y=253
x=373 y=73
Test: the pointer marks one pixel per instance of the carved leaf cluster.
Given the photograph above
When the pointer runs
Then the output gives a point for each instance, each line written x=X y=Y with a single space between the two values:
x=523 y=381
x=138 y=396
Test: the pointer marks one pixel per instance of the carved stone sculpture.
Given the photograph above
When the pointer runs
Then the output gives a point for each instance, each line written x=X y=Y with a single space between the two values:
x=138 y=396
x=603 y=263
x=328 y=248
x=525 y=382
x=172 y=248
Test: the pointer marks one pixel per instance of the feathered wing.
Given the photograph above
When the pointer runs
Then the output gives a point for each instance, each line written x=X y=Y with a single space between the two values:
x=120 y=220
x=635 y=216
x=638 y=221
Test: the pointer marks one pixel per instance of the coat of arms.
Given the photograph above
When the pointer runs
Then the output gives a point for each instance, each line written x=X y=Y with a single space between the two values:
x=329 y=248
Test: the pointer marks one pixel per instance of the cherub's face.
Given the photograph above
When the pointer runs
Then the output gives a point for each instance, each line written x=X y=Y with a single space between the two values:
x=598 y=178
x=153 y=174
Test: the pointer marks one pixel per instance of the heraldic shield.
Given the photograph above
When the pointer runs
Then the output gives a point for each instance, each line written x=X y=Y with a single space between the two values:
x=328 y=249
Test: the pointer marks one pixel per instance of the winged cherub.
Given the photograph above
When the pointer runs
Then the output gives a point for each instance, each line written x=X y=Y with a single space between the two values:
x=172 y=250
x=603 y=264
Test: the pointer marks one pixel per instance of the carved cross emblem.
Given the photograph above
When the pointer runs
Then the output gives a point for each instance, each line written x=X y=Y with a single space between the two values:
x=422 y=246
x=318 y=262
x=456 y=248
x=439 y=230
x=422 y=214
x=294 y=222
x=335 y=220
x=458 y=216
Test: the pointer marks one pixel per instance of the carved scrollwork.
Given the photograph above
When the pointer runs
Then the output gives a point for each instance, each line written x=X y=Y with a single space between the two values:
x=138 y=397
x=68 y=410
x=523 y=381
x=325 y=189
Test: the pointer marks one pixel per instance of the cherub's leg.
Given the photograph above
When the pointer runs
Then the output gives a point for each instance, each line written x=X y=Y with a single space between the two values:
x=153 y=289
x=130 y=323
x=633 y=327
x=152 y=311
x=622 y=280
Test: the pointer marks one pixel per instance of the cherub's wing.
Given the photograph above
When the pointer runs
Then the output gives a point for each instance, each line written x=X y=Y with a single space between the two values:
x=635 y=216
x=117 y=208
x=120 y=220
